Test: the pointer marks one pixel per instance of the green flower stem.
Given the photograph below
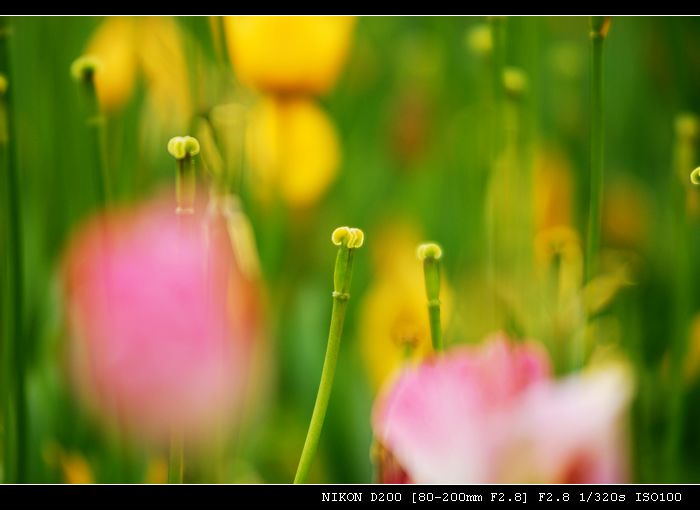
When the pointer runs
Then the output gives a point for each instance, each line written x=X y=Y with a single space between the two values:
x=687 y=134
x=599 y=30
x=497 y=26
x=176 y=458
x=519 y=227
x=183 y=149
x=430 y=254
x=498 y=40
x=83 y=71
x=14 y=369
x=347 y=240
x=185 y=187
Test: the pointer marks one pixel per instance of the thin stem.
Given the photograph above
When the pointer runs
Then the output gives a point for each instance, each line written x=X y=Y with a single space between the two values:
x=684 y=161
x=498 y=38
x=15 y=412
x=435 y=327
x=599 y=29
x=324 y=390
x=596 y=158
x=497 y=26
x=84 y=70
x=341 y=284
x=176 y=457
x=185 y=185
x=430 y=254
x=183 y=149
x=517 y=184
x=432 y=272
x=218 y=39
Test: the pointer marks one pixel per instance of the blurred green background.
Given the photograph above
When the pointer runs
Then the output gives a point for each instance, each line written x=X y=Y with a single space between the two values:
x=413 y=110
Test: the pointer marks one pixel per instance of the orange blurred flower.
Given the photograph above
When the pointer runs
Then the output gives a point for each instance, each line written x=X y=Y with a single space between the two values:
x=626 y=213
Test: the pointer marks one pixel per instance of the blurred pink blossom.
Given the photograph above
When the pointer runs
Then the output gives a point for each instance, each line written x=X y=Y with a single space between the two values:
x=161 y=320
x=493 y=414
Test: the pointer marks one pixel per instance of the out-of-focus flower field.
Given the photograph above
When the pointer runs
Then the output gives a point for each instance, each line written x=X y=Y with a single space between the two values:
x=170 y=265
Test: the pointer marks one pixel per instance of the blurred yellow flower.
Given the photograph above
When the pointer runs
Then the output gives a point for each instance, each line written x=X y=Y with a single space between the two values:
x=73 y=466
x=559 y=249
x=691 y=366
x=626 y=213
x=127 y=46
x=553 y=190
x=76 y=469
x=157 y=471
x=293 y=150
x=289 y=54
x=113 y=44
x=394 y=324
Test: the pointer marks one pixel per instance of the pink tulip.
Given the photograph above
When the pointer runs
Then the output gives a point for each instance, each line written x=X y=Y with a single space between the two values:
x=161 y=320
x=493 y=414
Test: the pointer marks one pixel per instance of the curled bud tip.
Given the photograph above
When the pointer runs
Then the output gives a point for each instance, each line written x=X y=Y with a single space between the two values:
x=181 y=146
x=695 y=176
x=84 y=68
x=339 y=234
x=351 y=237
x=3 y=84
x=514 y=82
x=429 y=251
x=358 y=238
x=600 y=25
x=687 y=126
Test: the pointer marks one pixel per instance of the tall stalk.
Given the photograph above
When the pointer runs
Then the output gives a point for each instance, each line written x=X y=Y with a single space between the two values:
x=687 y=131
x=183 y=149
x=599 y=31
x=347 y=240
x=15 y=412
x=497 y=25
x=83 y=71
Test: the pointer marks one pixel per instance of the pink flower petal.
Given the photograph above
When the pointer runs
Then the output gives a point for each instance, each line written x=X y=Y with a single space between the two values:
x=492 y=414
x=156 y=343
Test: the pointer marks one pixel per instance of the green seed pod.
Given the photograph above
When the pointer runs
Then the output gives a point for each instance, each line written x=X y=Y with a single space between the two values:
x=181 y=146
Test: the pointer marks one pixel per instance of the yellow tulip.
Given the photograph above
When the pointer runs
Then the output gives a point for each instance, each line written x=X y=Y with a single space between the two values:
x=293 y=150
x=113 y=45
x=560 y=244
x=76 y=469
x=553 y=190
x=126 y=47
x=294 y=54
x=164 y=67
